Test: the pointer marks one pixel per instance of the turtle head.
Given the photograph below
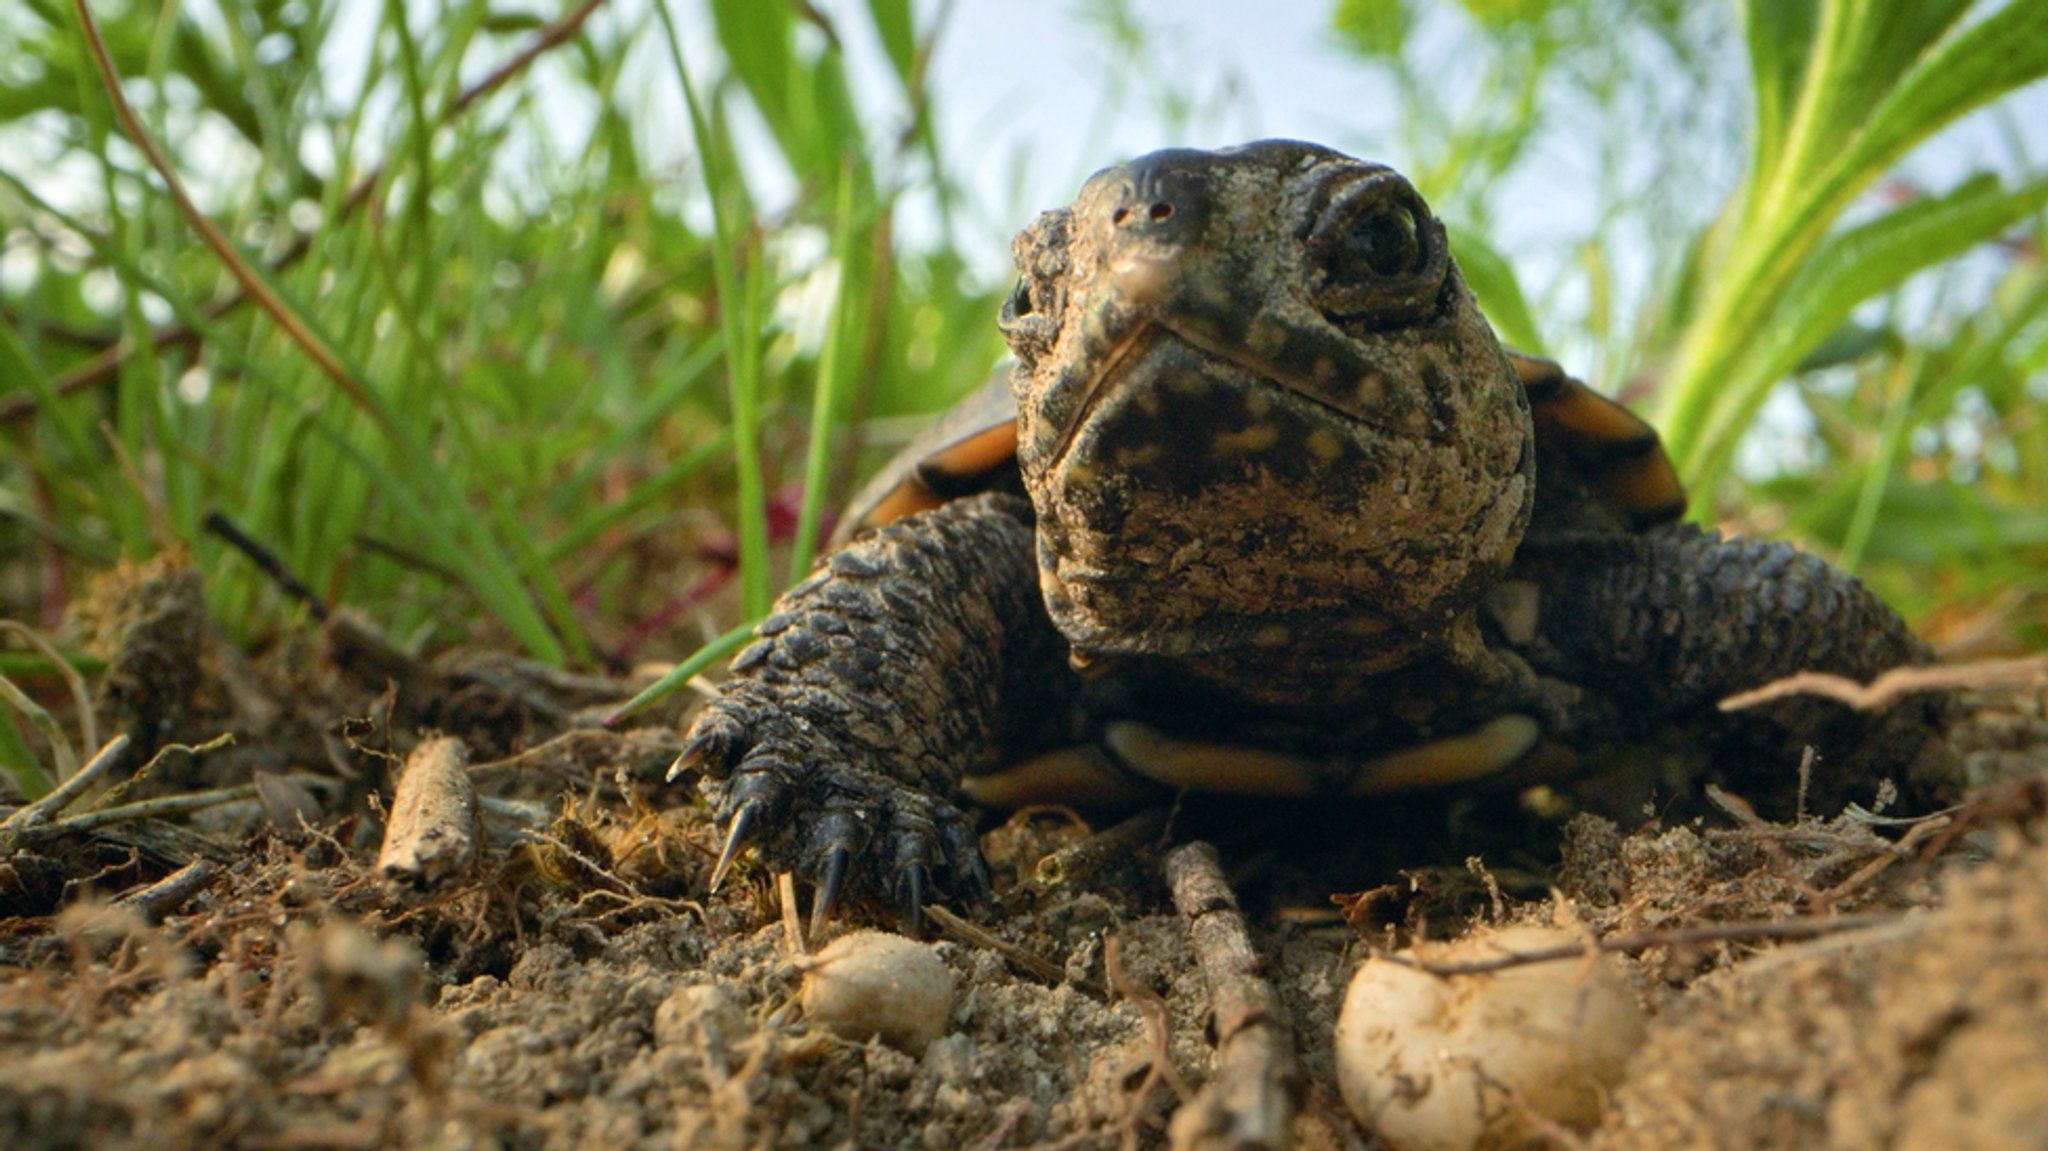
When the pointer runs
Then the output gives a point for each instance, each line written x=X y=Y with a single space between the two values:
x=1257 y=400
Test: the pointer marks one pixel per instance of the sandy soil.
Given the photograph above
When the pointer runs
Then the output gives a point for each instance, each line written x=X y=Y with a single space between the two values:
x=571 y=983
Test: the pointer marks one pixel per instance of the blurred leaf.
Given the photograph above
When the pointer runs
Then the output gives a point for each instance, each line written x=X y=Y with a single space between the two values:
x=1493 y=283
x=898 y=33
x=1373 y=27
x=1877 y=81
x=1779 y=34
x=1857 y=264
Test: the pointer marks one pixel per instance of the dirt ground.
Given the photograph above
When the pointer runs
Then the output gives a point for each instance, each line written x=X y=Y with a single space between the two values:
x=216 y=955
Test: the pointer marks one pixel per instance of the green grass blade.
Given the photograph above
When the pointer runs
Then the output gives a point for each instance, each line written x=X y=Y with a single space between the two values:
x=680 y=674
x=1499 y=292
x=825 y=398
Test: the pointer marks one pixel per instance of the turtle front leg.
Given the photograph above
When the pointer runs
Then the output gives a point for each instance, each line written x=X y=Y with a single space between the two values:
x=910 y=656
x=1666 y=624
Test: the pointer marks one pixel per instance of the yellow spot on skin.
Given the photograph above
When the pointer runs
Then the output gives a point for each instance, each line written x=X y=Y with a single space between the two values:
x=1256 y=438
x=1139 y=455
x=1273 y=635
x=1081 y=776
x=1265 y=336
x=1323 y=445
x=1371 y=389
x=1477 y=753
x=1200 y=766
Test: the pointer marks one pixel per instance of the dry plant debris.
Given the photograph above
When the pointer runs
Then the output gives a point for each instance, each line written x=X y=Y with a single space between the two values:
x=205 y=947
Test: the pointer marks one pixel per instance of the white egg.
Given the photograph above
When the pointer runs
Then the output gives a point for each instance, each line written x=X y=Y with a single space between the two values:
x=1458 y=1062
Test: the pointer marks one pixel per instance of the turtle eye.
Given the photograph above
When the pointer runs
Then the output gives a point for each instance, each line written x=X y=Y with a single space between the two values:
x=1019 y=304
x=1028 y=329
x=1375 y=255
x=1383 y=242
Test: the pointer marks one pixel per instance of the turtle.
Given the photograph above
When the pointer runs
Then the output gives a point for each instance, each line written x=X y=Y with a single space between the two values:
x=1263 y=505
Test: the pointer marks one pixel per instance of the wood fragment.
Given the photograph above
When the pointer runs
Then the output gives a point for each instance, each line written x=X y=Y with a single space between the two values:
x=156 y=901
x=1110 y=847
x=434 y=833
x=1888 y=688
x=1023 y=958
x=61 y=796
x=1249 y=1102
x=792 y=923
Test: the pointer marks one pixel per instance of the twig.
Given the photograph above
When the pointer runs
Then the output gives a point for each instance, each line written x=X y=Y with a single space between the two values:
x=1250 y=1101
x=63 y=794
x=267 y=561
x=1641 y=940
x=1025 y=959
x=252 y=283
x=792 y=923
x=1915 y=835
x=1892 y=685
x=1110 y=847
x=434 y=832
x=166 y=895
x=162 y=805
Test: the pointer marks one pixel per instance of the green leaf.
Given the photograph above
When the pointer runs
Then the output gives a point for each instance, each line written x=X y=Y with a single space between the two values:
x=1856 y=265
x=1779 y=34
x=898 y=33
x=1984 y=61
x=1373 y=28
x=1493 y=283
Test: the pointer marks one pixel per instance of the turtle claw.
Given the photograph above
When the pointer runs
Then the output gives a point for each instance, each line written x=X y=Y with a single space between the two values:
x=740 y=832
x=793 y=793
x=715 y=743
x=971 y=880
x=914 y=888
x=831 y=882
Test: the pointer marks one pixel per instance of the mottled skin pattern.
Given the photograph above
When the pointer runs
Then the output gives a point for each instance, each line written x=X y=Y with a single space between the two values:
x=1278 y=469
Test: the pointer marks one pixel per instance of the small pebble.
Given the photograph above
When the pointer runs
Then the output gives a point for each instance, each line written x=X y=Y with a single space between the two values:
x=1422 y=1059
x=877 y=984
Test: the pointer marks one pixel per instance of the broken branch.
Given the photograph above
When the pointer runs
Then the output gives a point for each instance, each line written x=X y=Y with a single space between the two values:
x=1250 y=1100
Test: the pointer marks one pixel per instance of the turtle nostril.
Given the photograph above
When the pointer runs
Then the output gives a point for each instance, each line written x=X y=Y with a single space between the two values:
x=1157 y=212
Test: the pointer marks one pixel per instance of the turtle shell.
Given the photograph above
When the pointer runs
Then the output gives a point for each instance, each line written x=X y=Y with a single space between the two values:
x=973 y=448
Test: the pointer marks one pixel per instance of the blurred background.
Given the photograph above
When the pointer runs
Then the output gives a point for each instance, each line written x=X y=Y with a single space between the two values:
x=564 y=327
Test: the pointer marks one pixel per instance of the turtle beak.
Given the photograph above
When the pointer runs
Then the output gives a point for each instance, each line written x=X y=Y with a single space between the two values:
x=1144 y=214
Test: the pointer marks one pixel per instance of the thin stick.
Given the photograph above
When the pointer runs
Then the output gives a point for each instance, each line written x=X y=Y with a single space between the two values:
x=162 y=805
x=252 y=283
x=64 y=793
x=1249 y=1103
x=166 y=895
x=266 y=561
x=1110 y=847
x=1899 y=681
x=1641 y=940
x=792 y=923
x=1025 y=959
